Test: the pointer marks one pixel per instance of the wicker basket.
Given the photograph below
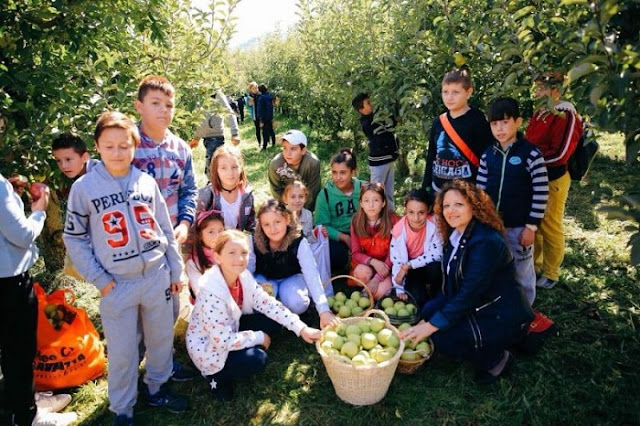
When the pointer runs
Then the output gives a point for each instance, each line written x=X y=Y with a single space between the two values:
x=396 y=320
x=363 y=384
x=410 y=367
x=360 y=283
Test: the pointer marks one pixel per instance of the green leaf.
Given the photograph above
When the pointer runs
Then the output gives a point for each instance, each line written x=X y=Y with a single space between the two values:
x=581 y=70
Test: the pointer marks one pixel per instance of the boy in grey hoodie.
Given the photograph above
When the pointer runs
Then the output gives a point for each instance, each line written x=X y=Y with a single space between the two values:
x=119 y=235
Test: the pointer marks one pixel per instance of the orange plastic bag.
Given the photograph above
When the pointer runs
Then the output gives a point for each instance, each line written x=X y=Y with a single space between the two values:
x=69 y=350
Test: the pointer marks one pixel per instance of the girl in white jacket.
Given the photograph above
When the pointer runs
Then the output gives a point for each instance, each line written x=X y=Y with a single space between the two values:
x=416 y=249
x=234 y=318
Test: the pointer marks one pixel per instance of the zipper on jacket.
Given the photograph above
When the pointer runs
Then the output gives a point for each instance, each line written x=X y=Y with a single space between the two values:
x=504 y=154
x=473 y=331
x=491 y=302
x=479 y=332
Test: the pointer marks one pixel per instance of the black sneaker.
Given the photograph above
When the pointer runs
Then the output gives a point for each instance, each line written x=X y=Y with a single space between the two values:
x=485 y=378
x=165 y=398
x=182 y=373
x=223 y=391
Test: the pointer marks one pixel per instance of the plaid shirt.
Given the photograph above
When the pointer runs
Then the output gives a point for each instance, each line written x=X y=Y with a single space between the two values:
x=171 y=165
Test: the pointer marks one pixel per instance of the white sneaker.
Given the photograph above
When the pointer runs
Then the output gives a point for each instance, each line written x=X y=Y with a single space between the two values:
x=50 y=402
x=47 y=418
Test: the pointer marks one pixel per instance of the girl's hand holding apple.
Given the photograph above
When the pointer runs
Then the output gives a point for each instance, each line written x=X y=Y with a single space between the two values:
x=328 y=318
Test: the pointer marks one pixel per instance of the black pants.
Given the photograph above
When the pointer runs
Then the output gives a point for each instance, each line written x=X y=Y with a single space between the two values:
x=257 y=124
x=268 y=133
x=339 y=253
x=241 y=110
x=18 y=322
x=424 y=283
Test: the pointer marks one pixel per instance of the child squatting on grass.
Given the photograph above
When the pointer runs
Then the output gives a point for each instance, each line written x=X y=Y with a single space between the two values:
x=370 y=237
x=284 y=260
x=234 y=319
x=416 y=249
x=209 y=224
x=119 y=233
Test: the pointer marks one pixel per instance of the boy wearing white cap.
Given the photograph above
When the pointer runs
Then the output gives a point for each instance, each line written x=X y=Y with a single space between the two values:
x=295 y=163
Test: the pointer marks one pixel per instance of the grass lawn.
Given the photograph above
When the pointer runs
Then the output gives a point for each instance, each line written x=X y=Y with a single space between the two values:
x=587 y=375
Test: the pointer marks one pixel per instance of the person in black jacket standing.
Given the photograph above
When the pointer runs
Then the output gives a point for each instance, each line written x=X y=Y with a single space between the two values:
x=383 y=146
x=482 y=309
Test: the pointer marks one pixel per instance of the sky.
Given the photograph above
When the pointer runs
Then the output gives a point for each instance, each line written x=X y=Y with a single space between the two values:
x=259 y=17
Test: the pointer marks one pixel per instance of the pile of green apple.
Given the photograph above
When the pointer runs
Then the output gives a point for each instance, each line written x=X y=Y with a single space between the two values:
x=366 y=342
x=414 y=350
x=398 y=308
x=348 y=307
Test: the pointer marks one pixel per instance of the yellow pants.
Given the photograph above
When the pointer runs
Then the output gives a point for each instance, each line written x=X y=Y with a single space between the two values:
x=549 y=242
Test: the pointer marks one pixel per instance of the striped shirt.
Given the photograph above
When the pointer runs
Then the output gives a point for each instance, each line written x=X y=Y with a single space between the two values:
x=516 y=180
x=171 y=165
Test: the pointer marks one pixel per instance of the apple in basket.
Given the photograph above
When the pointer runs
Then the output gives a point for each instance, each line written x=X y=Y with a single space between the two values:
x=387 y=302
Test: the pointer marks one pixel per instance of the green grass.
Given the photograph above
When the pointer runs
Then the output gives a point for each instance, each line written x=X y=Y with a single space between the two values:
x=587 y=375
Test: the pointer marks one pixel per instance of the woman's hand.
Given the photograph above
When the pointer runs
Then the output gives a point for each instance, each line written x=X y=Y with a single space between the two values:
x=402 y=296
x=380 y=267
x=310 y=334
x=527 y=236
x=373 y=284
x=328 y=318
x=176 y=287
x=418 y=332
x=345 y=239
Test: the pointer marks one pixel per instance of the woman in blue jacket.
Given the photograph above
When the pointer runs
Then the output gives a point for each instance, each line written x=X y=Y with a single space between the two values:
x=482 y=309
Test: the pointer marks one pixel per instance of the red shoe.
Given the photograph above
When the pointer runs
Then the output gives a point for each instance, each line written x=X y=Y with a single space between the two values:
x=541 y=324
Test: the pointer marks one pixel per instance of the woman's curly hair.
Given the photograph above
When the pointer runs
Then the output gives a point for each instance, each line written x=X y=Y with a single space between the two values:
x=481 y=204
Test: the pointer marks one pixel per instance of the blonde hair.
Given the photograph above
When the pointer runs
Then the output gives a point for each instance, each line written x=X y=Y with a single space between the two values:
x=253 y=85
x=226 y=151
x=117 y=120
x=294 y=184
x=229 y=235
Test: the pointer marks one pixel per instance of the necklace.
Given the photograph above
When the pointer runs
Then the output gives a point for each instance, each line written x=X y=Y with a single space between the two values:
x=228 y=190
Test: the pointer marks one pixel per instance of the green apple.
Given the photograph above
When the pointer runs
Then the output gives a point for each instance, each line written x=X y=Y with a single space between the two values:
x=330 y=336
x=383 y=355
x=355 y=338
x=359 y=360
x=411 y=308
x=337 y=305
x=391 y=311
x=403 y=312
x=350 y=303
x=364 y=302
x=338 y=342
x=340 y=296
x=387 y=302
x=364 y=354
x=368 y=340
x=424 y=346
x=356 y=296
x=342 y=329
x=411 y=344
x=365 y=326
x=393 y=341
x=349 y=349
x=355 y=311
x=331 y=300
x=404 y=326
x=399 y=305
x=344 y=312
x=376 y=324
x=353 y=329
x=410 y=355
x=325 y=346
x=384 y=335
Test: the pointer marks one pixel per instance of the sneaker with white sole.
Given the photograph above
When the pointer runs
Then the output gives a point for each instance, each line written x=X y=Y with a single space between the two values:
x=47 y=418
x=546 y=283
x=50 y=402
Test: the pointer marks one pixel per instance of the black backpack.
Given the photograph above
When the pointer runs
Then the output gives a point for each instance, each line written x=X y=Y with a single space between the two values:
x=586 y=150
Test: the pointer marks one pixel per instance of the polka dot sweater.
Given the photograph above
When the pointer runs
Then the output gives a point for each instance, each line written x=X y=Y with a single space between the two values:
x=213 y=329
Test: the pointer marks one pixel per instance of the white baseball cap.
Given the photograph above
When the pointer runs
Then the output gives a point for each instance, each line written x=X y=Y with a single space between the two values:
x=295 y=137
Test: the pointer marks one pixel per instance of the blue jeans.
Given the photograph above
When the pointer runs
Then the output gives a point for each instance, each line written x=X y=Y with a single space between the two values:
x=211 y=144
x=291 y=291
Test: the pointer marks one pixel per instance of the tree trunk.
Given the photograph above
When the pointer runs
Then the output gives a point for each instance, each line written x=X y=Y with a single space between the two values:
x=402 y=165
x=53 y=250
